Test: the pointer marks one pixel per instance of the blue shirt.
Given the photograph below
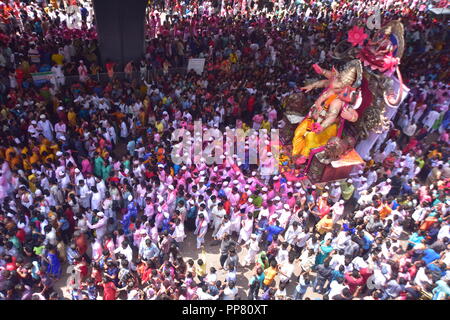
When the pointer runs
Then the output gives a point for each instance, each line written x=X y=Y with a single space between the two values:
x=394 y=204
x=273 y=230
x=346 y=228
x=434 y=267
x=336 y=274
x=430 y=255
x=416 y=238
x=367 y=243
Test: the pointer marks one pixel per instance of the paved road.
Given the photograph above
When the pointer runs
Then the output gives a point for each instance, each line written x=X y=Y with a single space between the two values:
x=190 y=251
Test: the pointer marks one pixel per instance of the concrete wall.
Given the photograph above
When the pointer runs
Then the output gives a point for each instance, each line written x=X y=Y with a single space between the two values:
x=120 y=27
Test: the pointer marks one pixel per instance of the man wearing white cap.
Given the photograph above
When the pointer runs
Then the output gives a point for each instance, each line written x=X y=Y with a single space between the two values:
x=83 y=72
x=171 y=199
x=287 y=187
x=234 y=196
x=33 y=129
x=26 y=198
x=253 y=248
x=218 y=212
x=335 y=192
x=100 y=184
x=253 y=181
x=268 y=167
x=64 y=180
x=85 y=194
x=78 y=176
x=337 y=210
x=201 y=228
x=57 y=192
x=348 y=189
x=357 y=182
x=363 y=187
x=46 y=127
x=372 y=177
x=384 y=187
x=284 y=216
x=60 y=129
x=90 y=180
x=391 y=146
x=100 y=226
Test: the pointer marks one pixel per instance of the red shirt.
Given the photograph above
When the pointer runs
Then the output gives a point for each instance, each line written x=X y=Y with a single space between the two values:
x=12 y=265
x=81 y=244
x=110 y=290
x=353 y=283
x=20 y=234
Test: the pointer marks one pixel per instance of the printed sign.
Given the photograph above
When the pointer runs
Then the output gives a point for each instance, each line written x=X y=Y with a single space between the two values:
x=197 y=65
x=40 y=78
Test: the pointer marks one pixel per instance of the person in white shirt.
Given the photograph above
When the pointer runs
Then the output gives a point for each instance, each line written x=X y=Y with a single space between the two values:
x=283 y=253
x=338 y=211
x=292 y=233
x=230 y=292
x=253 y=249
x=335 y=193
x=336 y=287
x=58 y=78
x=60 y=129
x=96 y=199
x=50 y=235
x=85 y=194
x=78 y=176
x=33 y=129
x=202 y=293
x=281 y=294
x=100 y=226
x=123 y=129
x=46 y=127
x=430 y=119
x=218 y=213
x=423 y=276
x=286 y=269
x=444 y=231
x=126 y=250
x=372 y=177
x=342 y=239
x=64 y=180
x=337 y=260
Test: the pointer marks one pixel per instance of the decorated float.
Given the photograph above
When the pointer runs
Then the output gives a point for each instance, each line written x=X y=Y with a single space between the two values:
x=327 y=139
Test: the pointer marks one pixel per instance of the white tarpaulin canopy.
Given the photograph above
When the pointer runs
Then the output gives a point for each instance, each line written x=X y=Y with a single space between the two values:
x=440 y=10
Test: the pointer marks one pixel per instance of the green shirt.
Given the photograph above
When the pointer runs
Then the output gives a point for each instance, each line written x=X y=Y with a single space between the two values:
x=347 y=190
x=264 y=263
x=15 y=242
x=98 y=166
x=38 y=250
x=257 y=201
x=126 y=164
x=106 y=172
x=420 y=163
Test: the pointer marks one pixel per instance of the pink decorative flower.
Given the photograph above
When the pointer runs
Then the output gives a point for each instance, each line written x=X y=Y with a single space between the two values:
x=356 y=36
x=316 y=127
x=390 y=63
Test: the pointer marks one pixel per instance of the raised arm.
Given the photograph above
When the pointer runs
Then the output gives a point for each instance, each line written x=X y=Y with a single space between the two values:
x=333 y=113
x=317 y=84
x=326 y=73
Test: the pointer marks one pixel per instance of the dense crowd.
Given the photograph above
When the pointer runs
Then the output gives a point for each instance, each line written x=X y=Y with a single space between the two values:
x=89 y=191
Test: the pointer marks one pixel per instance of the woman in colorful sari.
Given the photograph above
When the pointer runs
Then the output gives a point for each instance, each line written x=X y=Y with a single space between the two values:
x=54 y=265
x=325 y=249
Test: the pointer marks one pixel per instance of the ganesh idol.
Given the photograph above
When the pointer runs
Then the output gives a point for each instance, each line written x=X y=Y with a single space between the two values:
x=327 y=115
